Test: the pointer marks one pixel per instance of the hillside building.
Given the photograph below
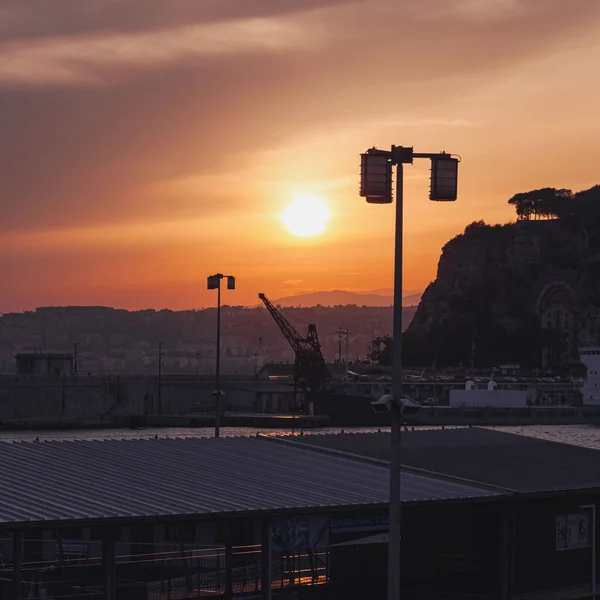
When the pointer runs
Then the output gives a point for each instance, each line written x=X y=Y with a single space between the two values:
x=39 y=363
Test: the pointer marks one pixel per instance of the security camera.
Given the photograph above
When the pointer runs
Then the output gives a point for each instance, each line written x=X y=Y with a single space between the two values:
x=383 y=405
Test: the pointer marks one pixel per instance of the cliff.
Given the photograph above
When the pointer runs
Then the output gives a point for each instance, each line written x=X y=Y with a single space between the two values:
x=525 y=292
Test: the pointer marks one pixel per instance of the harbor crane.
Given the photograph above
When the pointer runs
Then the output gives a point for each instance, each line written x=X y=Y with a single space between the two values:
x=310 y=372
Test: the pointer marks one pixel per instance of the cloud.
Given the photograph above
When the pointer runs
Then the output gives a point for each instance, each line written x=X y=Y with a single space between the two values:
x=84 y=60
x=124 y=120
x=294 y=282
x=469 y=10
x=488 y=9
x=42 y=19
x=81 y=155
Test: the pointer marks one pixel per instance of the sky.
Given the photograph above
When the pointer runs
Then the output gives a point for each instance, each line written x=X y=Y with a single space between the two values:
x=146 y=144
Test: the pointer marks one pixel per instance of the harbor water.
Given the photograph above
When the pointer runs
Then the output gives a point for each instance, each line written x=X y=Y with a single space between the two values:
x=578 y=435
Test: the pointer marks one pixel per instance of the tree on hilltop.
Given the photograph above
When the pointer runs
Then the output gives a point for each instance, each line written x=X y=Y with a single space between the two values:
x=546 y=203
x=587 y=204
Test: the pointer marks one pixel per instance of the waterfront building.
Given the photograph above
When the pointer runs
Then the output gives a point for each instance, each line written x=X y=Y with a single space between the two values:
x=485 y=514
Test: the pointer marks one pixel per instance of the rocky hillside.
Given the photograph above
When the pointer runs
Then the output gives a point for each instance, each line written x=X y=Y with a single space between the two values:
x=496 y=287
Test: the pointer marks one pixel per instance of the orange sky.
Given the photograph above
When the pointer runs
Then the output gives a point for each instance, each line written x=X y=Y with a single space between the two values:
x=146 y=144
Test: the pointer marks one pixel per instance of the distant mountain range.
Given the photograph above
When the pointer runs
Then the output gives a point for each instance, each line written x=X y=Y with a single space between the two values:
x=341 y=297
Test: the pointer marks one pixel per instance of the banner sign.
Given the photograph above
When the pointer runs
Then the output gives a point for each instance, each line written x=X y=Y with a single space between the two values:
x=369 y=527
x=300 y=533
x=359 y=523
x=573 y=531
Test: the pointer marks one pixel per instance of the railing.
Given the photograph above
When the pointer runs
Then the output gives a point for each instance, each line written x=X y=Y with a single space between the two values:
x=306 y=569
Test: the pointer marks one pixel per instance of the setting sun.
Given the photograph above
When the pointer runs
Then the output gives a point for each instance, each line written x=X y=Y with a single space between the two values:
x=306 y=216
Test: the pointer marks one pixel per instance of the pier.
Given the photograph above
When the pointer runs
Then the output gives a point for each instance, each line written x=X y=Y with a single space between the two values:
x=486 y=416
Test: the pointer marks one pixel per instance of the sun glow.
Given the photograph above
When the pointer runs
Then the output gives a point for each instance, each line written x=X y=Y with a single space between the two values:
x=306 y=216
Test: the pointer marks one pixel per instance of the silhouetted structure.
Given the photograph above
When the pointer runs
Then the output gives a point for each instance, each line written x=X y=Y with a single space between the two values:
x=38 y=363
x=310 y=371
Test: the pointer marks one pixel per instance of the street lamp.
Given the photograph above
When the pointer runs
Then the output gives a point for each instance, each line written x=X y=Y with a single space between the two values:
x=376 y=187
x=214 y=283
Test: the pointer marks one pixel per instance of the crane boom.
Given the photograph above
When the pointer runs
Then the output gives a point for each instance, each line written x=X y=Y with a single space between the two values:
x=288 y=330
x=310 y=371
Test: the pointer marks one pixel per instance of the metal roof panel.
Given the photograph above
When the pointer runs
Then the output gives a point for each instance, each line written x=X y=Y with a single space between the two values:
x=486 y=457
x=63 y=480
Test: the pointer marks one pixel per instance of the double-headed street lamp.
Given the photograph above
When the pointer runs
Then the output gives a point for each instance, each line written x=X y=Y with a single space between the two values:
x=214 y=283
x=376 y=187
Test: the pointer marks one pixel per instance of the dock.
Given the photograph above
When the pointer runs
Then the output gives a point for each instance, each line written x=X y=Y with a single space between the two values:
x=486 y=416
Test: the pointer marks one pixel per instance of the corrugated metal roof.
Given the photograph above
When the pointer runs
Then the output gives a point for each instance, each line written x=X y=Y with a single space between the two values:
x=58 y=480
x=263 y=387
x=514 y=462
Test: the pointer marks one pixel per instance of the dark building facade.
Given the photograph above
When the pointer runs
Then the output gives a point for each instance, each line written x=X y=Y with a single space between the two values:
x=38 y=363
x=294 y=518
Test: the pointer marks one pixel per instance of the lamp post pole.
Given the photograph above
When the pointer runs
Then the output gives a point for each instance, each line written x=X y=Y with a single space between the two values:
x=395 y=514
x=218 y=366
x=160 y=355
x=346 y=365
x=214 y=283
x=376 y=187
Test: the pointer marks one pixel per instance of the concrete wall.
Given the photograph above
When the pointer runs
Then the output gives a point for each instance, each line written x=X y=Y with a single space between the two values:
x=498 y=398
x=99 y=397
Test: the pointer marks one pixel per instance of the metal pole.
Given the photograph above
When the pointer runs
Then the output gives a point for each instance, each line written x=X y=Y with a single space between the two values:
x=218 y=366
x=160 y=344
x=266 y=560
x=593 y=552
x=109 y=564
x=75 y=357
x=229 y=562
x=592 y=507
x=346 y=374
x=505 y=561
x=17 y=564
x=435 y=375
x=394 y=545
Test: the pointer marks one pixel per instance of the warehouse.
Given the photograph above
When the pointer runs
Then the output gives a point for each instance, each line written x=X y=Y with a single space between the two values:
x=265 y=517
x=157 y=518
x=549 y=492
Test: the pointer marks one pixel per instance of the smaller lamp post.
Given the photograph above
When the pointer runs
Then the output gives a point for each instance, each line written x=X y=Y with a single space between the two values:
x=214 y=283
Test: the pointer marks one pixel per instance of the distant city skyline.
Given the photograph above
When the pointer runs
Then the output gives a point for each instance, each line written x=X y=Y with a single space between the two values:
x=146 y=145
x=120 y=341
x=309 y=299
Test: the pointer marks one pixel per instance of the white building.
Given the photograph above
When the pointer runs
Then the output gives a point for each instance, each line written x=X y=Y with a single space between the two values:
x=590 y=390
x=490 y=397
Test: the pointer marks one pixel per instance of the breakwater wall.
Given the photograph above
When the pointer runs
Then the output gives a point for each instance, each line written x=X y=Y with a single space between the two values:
x=98 y=398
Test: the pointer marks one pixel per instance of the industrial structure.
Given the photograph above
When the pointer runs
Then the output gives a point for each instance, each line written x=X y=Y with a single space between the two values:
x=45 y=364
x=310 y=371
